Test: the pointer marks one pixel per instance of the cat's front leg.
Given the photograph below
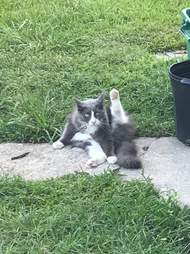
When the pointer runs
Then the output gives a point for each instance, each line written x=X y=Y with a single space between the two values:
x=107 y=145
x=96 y=154
x=58 y=145
x=67 y=135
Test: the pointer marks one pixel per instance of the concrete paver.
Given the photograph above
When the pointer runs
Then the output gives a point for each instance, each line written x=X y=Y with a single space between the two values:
x=165 y=160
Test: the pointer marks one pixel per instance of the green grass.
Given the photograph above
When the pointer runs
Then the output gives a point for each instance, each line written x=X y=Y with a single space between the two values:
x=51 y=51
x=84 y=214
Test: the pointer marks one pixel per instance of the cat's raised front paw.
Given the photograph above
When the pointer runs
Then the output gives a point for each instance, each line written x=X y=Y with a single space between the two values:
x=112 y=159
x=58 y=145
x=114 y=94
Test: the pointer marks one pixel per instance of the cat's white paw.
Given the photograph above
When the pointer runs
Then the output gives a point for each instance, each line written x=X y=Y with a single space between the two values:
x=95 y=162
x=58 y=145
x=114 y=94
x=112 y=159
x=91 y=163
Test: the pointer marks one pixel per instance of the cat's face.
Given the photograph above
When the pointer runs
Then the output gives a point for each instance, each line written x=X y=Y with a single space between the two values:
x=91 y=112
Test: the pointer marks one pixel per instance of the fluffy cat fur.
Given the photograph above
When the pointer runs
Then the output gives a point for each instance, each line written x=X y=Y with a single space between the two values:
x=104 y=133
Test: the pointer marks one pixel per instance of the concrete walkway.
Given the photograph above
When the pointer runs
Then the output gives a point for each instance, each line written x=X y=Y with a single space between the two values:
x=166 y=161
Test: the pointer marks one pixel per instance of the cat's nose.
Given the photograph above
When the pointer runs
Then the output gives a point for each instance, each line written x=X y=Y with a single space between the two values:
x=93 y=121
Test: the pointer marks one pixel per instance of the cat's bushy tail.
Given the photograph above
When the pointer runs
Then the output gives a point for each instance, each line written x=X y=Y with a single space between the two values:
x=127 y=156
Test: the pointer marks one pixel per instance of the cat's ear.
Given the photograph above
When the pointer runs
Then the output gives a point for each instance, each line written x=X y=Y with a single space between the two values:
x=77 y=100
x=79 y=104
x=100 y=101
x=100 y=98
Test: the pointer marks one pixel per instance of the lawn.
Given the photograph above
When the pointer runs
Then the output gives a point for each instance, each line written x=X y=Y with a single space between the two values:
x=83 y=214
x=52 y=51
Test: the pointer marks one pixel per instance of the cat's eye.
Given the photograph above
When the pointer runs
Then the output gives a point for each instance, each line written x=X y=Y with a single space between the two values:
x=97 y=114
x=87 y=115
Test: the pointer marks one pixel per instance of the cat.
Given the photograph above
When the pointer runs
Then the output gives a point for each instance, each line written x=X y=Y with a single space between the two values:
x=104 y=133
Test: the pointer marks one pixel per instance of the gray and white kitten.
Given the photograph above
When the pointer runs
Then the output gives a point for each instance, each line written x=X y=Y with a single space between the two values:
x=104 y=133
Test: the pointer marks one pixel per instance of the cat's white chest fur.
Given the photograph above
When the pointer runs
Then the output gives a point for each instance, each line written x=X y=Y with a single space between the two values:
x=91 y=129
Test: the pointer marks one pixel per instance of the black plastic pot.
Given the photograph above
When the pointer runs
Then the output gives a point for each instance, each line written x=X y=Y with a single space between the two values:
x=180 y=81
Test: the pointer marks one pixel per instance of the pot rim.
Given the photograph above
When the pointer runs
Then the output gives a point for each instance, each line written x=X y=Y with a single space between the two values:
x=174 y=76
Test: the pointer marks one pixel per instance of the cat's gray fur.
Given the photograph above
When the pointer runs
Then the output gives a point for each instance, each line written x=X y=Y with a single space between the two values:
x=114 y=136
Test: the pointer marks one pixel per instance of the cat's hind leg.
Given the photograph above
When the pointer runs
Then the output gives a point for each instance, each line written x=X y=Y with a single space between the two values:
x=123 y=133
x=118 y=114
